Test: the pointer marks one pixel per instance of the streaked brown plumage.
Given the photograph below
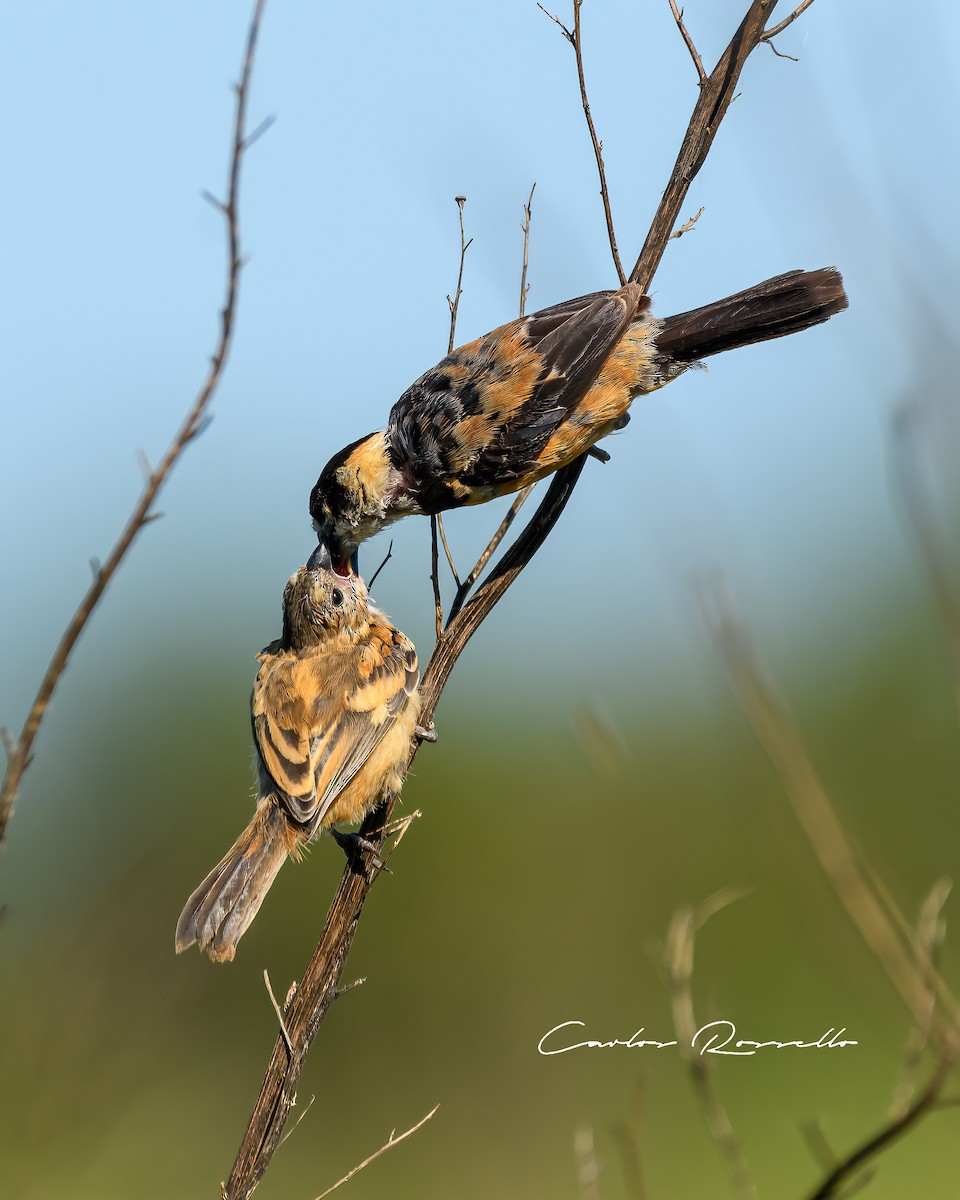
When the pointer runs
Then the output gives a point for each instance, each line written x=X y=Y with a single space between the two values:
x=519 y=403
x=334 y=707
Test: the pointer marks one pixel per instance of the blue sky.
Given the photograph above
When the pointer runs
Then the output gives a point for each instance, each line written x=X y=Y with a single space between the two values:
x=771 y=465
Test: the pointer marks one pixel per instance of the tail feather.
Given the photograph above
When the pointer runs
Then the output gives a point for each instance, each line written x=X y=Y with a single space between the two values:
x=219 y=911
x=772 y=309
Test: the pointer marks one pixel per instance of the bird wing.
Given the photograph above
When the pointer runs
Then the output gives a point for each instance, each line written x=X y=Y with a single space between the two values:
x=318 y=718
x=480 y=418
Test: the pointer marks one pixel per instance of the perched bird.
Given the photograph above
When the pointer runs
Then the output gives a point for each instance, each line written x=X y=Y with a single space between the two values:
x=519 y=403
x=334 y=708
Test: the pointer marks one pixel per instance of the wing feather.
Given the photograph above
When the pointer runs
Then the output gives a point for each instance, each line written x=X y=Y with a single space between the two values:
x=316 y=721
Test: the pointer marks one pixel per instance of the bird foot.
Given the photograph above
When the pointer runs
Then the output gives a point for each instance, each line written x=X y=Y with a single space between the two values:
x=353 y=845
x=426 y=733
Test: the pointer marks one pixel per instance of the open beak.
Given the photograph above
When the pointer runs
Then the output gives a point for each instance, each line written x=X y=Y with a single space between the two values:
x=338 y=558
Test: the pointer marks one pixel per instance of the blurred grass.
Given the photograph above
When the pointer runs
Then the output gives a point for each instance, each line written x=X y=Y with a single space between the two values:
x=555 y=845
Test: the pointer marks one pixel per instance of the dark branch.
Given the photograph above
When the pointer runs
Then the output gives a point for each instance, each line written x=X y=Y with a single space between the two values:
x=925 y=1103
x=320 y=982
x=716 y=93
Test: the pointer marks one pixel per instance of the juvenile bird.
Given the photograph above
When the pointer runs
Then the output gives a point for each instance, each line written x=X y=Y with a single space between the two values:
x=519 y=403
x=334 y=707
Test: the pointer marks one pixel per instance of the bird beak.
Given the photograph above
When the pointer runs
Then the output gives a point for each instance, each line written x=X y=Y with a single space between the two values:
x=319 y=559
x=335 y=558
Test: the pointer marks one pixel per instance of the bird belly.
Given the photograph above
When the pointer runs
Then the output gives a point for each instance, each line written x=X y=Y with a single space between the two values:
x=380 y=774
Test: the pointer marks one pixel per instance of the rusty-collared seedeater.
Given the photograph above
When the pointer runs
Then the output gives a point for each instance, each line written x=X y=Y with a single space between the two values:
x=519 y=403
x=334 y=708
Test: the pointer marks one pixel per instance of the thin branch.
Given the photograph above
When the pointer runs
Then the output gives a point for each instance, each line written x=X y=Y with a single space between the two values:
x=386 y=558
x=687 y=226
x=525 y=226
x=141 y=515
x=697 y=60
x=576 y=41
x=464 y=589
x=553 y=17
x=930 y=933
x=435 y=577
x=296 y=1125
x=777 y=29
x=678 y=961
x=716 y=94
x=277 y=1010
x=781 y=54
x=446 y=550
x=387 y=1145
x=912 y=936
x=925 y=1103
x=454 y=304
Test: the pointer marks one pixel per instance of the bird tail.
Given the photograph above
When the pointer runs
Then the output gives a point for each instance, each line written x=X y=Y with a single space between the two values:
x=219 y=911
x=785 y=304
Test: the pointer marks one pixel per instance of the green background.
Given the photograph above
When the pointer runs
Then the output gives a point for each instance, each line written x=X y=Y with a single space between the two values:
x=595 y=772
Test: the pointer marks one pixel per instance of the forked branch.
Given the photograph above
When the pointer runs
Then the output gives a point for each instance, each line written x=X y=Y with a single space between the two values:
x=318 y=988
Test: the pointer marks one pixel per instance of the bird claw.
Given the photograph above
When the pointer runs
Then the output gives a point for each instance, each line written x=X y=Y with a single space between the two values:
x=426 y=733
x=353 y=844
x=598 y=454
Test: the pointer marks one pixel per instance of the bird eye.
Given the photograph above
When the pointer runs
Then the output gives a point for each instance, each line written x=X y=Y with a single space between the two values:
x=337 y=597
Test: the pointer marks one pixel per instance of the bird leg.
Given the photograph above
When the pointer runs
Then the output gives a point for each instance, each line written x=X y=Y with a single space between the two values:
x=353 y=845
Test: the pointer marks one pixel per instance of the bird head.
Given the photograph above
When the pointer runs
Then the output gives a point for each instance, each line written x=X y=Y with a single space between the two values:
x=349 y=501
x=319 y=603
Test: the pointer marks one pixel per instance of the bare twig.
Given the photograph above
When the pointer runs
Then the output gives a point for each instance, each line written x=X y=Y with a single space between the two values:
x=926 y=964
x=525 y=226
x=777 y=29
x=454 y=304
x=464 y=589
x=716 y=93
x=576 y=41
x=386 y=558
x=553 y=17
x=688 y=225
x=276 y=1009
x=925 y=1103
x=678 y=961
x=435 y=577
x=792 y=58
x=697 y=60
x=389 y=1144
x=20 y=757
x=930 y=932
x=446 y=550
x=398 y=830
